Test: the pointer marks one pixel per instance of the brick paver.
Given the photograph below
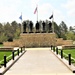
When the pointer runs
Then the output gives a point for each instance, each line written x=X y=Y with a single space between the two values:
x=38 y=61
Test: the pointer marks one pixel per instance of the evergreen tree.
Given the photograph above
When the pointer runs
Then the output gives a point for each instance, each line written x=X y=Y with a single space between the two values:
x=63 y=30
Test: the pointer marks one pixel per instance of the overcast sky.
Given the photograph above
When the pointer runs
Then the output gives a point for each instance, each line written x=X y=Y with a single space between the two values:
x=64 y=10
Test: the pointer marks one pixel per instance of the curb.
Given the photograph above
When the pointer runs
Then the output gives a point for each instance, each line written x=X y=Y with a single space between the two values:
x=65 y=62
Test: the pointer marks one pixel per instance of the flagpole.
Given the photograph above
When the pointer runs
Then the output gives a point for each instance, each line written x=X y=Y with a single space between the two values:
x=53 y=23
x=21 y=25
x=37 y=12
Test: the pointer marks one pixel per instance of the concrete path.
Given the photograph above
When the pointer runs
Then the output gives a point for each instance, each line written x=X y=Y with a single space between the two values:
x=38 y=61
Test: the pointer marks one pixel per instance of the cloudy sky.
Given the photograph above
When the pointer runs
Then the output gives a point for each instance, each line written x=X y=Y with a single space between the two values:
x=63 y=10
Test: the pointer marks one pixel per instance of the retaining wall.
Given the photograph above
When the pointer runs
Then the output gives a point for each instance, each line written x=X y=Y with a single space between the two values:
x=38 y=40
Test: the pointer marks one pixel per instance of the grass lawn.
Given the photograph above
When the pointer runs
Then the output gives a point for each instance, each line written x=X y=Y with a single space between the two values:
x=4 y=53
x=1 y=45
x=7 y=53
x=2 y=57
x=70 y=51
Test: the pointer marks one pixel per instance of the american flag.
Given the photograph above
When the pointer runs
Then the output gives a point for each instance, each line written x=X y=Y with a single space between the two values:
x=35 y=10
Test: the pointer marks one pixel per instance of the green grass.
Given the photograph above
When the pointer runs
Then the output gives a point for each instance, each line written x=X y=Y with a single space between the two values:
x=4 y=53
x=1 y=45
x=69 y=51
x=9 y=56
x=72 y=52
x=2 y=57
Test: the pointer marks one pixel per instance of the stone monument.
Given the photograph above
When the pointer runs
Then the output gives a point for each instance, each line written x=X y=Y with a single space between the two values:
x=37 y=26
x=24 y=27
x=31 y=27
x=50 y=27
x=43 y=25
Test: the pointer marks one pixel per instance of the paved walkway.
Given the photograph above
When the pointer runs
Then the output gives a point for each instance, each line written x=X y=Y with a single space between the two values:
x=38 y=61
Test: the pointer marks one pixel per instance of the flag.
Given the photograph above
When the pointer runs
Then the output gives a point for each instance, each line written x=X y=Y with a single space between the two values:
x=35 y=10
x=51 y=16
x=20 y=17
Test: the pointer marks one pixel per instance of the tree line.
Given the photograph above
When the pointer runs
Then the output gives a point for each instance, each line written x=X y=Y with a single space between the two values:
x=10 y=31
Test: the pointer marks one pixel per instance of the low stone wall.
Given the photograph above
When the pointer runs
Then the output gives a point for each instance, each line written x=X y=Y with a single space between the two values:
x=60 y=42
x=67 y=42
x=68 y=47
x=8 y=44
